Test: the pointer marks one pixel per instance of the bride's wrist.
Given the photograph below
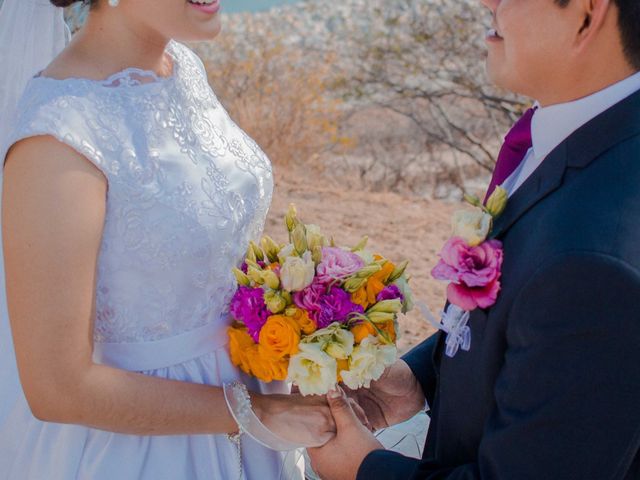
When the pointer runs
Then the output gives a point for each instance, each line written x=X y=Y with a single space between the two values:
x=258 y=402
x=245 y=408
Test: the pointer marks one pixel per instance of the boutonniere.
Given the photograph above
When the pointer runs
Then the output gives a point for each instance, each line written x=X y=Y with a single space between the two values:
x=471 y=263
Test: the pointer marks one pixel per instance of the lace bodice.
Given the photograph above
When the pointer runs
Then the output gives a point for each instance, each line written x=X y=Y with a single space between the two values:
x=187 y=189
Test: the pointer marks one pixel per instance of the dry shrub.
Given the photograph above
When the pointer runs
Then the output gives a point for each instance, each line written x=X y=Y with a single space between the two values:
x=278 y=95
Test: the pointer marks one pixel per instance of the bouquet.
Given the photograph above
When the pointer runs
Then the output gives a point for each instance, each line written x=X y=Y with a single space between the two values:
x=315 y=314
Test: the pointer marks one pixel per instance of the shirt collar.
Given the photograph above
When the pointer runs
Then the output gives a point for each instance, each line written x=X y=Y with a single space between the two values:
x=551 y=125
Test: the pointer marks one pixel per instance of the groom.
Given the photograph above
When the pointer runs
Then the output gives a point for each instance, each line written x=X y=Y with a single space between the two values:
x=550 y=388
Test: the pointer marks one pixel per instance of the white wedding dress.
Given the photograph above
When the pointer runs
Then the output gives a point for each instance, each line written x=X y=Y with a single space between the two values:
x=187 y=189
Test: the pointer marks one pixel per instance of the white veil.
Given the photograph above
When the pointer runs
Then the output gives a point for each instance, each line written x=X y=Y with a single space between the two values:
x=32 y=33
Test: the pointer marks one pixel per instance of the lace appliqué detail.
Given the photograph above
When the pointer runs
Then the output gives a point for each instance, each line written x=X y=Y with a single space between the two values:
x=187 y=190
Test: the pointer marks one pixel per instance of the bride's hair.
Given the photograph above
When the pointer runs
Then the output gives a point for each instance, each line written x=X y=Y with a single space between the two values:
x=66 y=3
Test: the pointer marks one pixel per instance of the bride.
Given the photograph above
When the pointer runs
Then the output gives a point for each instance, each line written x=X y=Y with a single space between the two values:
x=129 y=195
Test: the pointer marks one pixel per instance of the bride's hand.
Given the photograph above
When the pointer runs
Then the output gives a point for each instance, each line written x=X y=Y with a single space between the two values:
x=302 y=420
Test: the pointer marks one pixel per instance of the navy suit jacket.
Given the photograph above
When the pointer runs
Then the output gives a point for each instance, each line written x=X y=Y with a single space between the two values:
x=550 y=388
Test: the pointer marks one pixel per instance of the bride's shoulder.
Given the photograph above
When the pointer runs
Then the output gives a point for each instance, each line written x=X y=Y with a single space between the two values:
x=53 y=111
x=185 y=56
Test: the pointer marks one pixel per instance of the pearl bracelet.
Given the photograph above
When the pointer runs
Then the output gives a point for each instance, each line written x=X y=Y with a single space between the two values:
x=239 y=404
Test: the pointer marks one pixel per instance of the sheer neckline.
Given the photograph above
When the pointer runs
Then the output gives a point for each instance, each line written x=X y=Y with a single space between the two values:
x=127 y=77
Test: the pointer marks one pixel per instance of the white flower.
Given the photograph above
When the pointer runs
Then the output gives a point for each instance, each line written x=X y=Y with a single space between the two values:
x=315 y=237
x=368 y=362
x=472 y=226
x=336 y=341
x=288 y=251
x=312 y=370
x=297 y=273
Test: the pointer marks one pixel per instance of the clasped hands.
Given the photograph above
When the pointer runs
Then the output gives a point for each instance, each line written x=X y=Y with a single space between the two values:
x=394 y=398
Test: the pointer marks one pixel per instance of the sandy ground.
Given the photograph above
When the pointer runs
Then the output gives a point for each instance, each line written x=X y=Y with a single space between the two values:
x=399 y=227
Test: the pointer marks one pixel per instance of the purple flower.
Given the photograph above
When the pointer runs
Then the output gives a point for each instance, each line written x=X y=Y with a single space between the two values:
x=391 y=292
x=248 y=306
x=337 y=263
x=326 y=306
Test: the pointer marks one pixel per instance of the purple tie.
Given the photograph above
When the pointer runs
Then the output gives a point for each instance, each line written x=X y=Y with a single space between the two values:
x=514 y=149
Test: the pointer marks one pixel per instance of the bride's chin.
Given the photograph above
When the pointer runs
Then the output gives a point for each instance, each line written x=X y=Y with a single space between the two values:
x=200 y=31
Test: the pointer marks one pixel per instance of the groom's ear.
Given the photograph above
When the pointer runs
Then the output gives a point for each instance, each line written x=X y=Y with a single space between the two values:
x=593 y=16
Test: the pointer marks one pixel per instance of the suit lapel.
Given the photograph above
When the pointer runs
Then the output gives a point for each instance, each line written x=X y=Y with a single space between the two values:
x=619 y=123
x=543 y=181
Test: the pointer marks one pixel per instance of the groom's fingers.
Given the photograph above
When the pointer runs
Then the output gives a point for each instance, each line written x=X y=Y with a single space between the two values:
x=341 y=410
x=361 y=414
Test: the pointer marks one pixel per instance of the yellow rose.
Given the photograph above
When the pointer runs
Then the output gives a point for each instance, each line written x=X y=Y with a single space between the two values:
x=472 y=226
x=280 y=336
x=265 y=366
x=239 y=342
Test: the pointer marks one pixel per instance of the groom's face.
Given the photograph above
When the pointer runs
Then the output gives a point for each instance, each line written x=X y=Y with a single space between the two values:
x=528 y=47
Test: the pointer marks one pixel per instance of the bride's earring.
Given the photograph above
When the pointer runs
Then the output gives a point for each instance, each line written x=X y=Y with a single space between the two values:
x=114 y=3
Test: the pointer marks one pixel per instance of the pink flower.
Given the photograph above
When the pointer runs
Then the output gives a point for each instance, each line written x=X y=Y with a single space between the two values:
x=474 y=272
x=337 y=264
x=309 y=298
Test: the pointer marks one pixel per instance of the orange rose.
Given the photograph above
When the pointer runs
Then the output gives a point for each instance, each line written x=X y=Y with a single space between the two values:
x=264 y=366
x=239 y=342
x=342 y=366
x=390 y=329
x=273 y=266
x=368 y=294
x=306 y=324
x=362 y=331
x=280 y=336
x=359 y=297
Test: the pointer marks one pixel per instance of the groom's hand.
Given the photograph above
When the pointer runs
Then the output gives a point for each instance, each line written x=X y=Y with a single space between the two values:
x=330 y=461
x=394 y=398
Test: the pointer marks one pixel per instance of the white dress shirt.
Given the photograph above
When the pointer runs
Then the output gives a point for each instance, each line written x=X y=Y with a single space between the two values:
x=551 y=125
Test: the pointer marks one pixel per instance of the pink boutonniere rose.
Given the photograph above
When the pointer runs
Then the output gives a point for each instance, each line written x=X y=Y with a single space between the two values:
x=472 y=264
x=469 y=261
x=474 y=272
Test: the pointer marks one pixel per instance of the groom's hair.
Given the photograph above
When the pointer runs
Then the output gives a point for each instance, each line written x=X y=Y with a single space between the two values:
x=629 y=24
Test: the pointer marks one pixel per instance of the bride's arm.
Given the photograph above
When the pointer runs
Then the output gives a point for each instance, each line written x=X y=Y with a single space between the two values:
x=54 y=204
